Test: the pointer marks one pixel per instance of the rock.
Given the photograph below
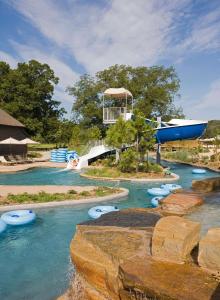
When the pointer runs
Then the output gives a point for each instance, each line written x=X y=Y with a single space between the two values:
x=98 y=248
x=180 y=203
x=206 y=185
x=145 y=278
x=174 y=238
x=209 y=251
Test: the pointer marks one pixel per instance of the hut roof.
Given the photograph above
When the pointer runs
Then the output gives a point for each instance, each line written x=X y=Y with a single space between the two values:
x=6 y=119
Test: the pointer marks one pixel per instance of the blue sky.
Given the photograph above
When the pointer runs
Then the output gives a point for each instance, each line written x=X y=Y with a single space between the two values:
x=78 y=36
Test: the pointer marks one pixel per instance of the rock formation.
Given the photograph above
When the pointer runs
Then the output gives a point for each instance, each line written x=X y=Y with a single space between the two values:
x=174 y=238
x=209 y=251
x=180 y=203
x=206 y=185
x=113 y=261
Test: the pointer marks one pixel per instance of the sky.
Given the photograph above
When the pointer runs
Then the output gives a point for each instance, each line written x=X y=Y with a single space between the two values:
x=85 y=36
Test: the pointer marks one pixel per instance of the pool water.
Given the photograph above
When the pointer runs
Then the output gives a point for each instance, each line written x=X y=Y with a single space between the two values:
x=34 y=259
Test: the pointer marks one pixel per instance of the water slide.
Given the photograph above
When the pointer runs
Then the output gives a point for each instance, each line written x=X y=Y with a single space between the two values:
x=94 y=152
x=174 y=130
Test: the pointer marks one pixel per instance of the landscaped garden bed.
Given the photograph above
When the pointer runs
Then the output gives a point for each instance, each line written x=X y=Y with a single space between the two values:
x=43 y=197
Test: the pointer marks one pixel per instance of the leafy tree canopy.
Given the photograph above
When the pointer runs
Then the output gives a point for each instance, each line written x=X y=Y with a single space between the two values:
x=26 y=92
x=153 y=88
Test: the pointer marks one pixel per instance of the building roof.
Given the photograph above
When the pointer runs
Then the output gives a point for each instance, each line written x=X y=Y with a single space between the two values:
x=6 y=119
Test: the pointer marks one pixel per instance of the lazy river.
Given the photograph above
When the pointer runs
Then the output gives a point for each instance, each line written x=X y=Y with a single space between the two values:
x=34 y=259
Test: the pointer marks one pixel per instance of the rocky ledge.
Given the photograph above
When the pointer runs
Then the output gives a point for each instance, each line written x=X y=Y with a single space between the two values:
x=206 y=185
x=137 y=254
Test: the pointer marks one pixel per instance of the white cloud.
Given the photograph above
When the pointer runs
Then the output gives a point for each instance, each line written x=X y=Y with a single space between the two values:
x=209 y=106
x=129 y=32
x=8 y=58
x=204 y=35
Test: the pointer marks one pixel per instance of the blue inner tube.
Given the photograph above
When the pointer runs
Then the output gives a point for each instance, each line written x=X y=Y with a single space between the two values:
x=155 y=201
x=97 y=211
x=18 y=217
x=171 y=186
x=198 y=171
x=3 y=226
x=158 y=192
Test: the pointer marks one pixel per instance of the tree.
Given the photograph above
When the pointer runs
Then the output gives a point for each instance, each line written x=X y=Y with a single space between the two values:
x=94 y=133
x=120 y=135
x=153 y=88
x=26 y=92
x=144 y=137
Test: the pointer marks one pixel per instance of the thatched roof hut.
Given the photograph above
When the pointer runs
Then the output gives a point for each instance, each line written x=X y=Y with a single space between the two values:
x=10 y=127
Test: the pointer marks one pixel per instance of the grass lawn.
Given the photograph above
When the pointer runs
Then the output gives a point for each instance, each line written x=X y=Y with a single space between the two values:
x=46 y=197
x=113 y=172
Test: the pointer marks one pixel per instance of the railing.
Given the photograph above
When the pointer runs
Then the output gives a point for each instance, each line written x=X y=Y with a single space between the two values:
x=111 y=114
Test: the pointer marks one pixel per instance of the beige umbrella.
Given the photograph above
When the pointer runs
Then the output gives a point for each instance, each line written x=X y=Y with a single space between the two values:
x=28 y=141
x=11 y=141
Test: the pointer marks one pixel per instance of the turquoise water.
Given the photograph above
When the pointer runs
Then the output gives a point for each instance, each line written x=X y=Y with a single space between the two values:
x=34 y=259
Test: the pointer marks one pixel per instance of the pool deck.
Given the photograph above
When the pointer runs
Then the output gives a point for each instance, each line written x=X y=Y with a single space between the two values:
x=4 y=190
x=37 y=164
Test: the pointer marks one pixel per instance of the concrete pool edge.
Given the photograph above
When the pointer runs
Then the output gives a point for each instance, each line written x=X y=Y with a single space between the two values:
x=120 y=195
x=162 y=179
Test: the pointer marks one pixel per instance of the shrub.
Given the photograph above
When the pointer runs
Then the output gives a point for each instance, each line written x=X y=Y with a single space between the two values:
x=72 y=192
x=85 y=193
x=155 y=168
x=128 y=161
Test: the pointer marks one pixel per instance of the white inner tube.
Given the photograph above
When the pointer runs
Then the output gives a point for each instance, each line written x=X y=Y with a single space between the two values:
x=18 y=217
x=98 y=211
x=158 y=192
x=171 y=186
x=198 y=171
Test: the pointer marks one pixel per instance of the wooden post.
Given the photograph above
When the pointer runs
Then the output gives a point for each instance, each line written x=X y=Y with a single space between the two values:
x=158 y=158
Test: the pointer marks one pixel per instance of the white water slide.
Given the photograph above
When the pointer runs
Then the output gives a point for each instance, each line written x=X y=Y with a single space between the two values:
x=94 y=152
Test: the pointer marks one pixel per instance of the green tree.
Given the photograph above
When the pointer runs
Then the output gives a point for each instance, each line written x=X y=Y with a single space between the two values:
x=153 y=88
x=94 y=133
x=26 y=92
x=144 y=137
x=120 y=135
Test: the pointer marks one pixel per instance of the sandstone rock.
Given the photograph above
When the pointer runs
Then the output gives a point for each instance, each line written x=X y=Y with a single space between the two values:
x=206 y=185
x=209 y=251
x=180 y=203
x=96 y=253
x=174 y=238
x=145 y=278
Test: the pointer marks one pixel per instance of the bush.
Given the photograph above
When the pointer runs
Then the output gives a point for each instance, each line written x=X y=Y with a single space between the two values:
x=150 y=168
x=72 y=192
x=179 y=155
x=33 y=154
x=128 y=161
x=155 y=168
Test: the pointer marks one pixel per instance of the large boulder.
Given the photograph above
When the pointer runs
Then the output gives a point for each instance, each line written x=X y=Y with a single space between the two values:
x=145 y=278
x=209 y=251
x=174 y=238
x=206 y=185
x=98 y=248
x=180 y=203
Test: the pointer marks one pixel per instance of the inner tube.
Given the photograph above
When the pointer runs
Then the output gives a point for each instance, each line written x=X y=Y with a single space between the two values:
x=3 y=226
x=18 y=217
x=155 y=201
x=171 y=186
x=198 y=171
x=98 y=211
x=158 y=192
